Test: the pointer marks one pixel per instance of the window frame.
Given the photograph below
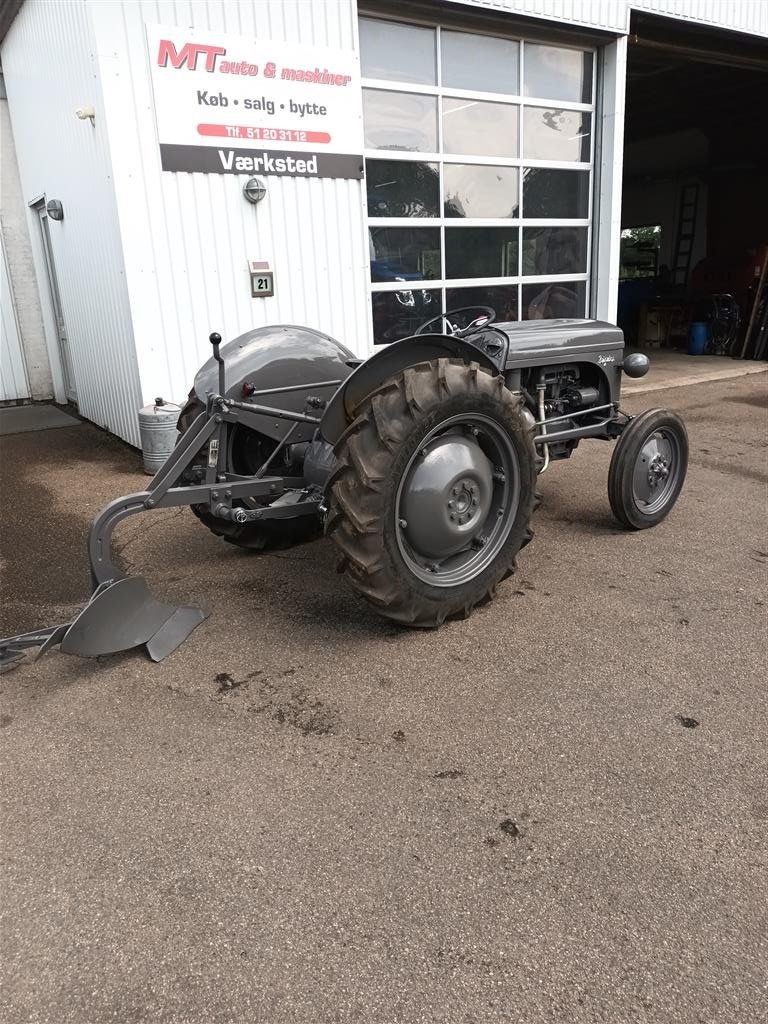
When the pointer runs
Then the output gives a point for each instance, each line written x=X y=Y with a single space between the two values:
x=520 y=162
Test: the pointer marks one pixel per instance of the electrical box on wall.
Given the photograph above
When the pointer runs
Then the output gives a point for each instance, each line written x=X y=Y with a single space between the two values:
x=262 y=279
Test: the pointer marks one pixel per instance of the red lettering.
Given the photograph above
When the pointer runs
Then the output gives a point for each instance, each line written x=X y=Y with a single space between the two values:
x=188 y=55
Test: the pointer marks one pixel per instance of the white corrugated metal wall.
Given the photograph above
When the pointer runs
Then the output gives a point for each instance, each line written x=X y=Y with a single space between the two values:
x=14 y=384
x=13 y=373
x=22 y=296
x=187 y=237
x=613 y=15
x=609 y=15
x=739 y=15
x=50 y=69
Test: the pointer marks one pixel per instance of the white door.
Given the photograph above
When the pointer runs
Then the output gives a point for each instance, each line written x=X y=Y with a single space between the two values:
x=14 y=385
x=55 y=301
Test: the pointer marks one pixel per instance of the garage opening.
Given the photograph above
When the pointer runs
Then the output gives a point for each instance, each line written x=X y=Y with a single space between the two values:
x=694 y=242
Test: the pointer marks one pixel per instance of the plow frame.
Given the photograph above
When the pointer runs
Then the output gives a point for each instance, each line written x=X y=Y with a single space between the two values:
x=220 y=488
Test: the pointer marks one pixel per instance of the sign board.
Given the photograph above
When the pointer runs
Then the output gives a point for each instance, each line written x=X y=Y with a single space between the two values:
x=228 y=104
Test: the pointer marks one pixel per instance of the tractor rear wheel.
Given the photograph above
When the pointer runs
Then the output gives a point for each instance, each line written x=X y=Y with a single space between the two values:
x=434 y=491
x=264 y=536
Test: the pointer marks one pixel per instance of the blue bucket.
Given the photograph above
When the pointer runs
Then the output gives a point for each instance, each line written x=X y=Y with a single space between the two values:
x=698 y=336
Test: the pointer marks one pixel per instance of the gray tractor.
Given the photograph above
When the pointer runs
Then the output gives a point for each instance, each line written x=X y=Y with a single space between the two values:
x=419 y=463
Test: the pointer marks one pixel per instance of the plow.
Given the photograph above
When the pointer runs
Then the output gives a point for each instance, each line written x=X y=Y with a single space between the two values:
x=419 y=464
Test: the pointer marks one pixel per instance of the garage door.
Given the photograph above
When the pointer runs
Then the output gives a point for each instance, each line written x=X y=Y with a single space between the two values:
x=479 y=157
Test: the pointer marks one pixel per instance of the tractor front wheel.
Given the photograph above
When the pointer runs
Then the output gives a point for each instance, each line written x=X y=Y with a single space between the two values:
x=648 y=468
x=434 y=491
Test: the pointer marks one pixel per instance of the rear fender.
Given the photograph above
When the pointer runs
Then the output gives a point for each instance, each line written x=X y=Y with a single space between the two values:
x=339 y=413
x=280 y=356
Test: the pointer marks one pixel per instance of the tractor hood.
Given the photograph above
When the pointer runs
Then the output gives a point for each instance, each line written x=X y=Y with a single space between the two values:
x=532 y=342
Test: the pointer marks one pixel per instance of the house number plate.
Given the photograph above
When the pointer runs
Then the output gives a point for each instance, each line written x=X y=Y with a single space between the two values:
x=262 y=284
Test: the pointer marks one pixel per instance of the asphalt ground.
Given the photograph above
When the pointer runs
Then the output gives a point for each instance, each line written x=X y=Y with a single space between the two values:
x=556 y=810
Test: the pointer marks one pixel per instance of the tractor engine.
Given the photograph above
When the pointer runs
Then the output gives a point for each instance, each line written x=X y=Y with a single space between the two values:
x=567 y=389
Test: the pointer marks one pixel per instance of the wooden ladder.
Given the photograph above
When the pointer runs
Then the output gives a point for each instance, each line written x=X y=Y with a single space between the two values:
x=686 y=229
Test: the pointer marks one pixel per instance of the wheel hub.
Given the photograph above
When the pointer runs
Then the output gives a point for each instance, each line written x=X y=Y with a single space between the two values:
x=447 y=496
x=464 y=504
x=658 y=471
x=655 y=472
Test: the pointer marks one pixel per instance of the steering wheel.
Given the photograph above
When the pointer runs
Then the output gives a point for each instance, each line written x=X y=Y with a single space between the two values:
x=488 y=315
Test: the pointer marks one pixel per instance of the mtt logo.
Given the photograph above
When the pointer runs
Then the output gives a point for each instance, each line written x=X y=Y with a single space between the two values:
x=187 y=56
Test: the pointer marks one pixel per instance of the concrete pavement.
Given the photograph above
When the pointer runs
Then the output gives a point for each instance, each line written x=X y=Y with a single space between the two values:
x=677 y=369
x=554 y=811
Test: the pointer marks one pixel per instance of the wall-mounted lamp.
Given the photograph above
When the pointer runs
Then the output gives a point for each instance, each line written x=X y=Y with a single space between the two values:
x=86 y=113
x=254 y=190
x=54 y=209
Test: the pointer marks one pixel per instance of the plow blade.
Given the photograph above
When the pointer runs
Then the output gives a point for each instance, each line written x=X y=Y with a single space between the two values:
x=121 y=615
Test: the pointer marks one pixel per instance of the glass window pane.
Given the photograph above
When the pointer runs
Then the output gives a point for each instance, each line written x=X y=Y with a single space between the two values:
x=640 y=252
x=565 y=299
x=550 y=134
x=399 y=188
x=477 y=190
x=397 y=314
x=481 y=63
x=554 y=250
x=404 y=254
x=479 y=129
x=548 y=192
x=400 y=120
x=481 y=252
x=554 y=73
x=403 y=53
x=501 y=297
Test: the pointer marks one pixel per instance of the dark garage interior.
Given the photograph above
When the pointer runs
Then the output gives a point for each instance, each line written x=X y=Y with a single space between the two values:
x=695 y=192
